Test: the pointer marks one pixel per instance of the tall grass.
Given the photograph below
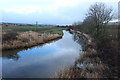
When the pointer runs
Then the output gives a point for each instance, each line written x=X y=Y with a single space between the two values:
x=15 y=40
x=88 y=65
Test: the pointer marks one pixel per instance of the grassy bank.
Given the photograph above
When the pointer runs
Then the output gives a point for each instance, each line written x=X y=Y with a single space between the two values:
x=99 y=59
x=27 y=36
x=88 y=65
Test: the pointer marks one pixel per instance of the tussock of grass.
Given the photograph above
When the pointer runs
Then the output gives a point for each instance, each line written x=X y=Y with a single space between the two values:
x=12 y=36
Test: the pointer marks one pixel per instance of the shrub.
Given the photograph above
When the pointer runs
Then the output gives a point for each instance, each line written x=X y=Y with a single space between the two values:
x=10 y=35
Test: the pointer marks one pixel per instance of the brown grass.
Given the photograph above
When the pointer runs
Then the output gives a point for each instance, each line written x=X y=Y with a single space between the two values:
x=88 y=65
x=72 y=72
x=14 y=40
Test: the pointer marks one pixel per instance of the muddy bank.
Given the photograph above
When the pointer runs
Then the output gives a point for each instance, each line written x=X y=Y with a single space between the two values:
x=88 y=65
x=17 y=40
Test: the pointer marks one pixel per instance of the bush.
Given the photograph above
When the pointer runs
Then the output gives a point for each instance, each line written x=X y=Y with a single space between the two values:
x=10 y=35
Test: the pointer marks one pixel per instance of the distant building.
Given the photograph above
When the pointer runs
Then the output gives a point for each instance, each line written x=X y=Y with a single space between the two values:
x=114 y=22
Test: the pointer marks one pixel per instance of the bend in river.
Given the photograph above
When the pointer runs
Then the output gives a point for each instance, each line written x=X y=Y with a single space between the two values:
x=41 y=61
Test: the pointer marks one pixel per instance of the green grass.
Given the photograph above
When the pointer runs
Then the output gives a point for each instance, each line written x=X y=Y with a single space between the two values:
x=25 y=27
x=49 y=29
x=53 y=31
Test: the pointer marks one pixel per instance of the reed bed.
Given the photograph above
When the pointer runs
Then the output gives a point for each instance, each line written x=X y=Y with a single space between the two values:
x=16 y=40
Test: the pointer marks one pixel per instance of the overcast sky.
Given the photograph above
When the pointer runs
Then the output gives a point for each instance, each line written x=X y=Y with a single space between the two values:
x=48 y=11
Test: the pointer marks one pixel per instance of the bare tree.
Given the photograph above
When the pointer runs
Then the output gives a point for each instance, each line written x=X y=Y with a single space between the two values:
x=97 y=17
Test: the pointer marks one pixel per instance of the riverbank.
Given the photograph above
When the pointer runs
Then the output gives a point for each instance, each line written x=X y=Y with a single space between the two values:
x=16 y=40
x=88 y=65
x=25 y=36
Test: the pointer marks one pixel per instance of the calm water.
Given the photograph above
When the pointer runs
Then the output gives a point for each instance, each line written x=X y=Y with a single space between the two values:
x=41 y=61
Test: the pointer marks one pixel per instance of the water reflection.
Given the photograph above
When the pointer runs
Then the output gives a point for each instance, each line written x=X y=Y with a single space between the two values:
x=41 y=61
x=11 y=54
x=79 y=39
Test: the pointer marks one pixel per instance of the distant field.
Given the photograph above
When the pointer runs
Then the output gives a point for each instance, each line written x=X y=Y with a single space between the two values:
x=39 y=29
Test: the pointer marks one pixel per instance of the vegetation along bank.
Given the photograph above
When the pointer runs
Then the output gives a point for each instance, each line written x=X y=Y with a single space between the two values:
x=28 y=36
x=100 y=56
x=88 y=65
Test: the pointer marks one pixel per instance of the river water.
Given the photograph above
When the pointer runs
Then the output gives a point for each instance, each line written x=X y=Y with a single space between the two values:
x=41 y=61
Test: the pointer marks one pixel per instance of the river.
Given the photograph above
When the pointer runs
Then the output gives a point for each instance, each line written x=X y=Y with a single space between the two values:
x=41 y=61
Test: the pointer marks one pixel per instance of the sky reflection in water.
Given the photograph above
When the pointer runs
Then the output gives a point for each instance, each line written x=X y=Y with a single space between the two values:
x=42 y=61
